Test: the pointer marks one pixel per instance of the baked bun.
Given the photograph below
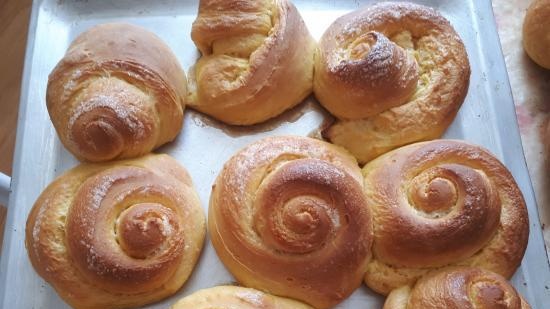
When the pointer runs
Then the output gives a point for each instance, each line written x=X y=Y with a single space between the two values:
x=288 y=216
x=536 y=27
x=458 y=288
x=442 y=203
x=257 y=60
x=230 y=297
x=117 y=93
x=117 y=235
x=393 y=74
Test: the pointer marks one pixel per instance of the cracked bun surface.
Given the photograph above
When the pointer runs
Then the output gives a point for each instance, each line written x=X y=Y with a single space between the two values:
x=392 y=74
x=257 y=60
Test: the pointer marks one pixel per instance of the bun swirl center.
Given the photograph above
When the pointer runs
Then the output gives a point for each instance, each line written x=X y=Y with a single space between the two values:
x=143 y=229
x=448 y=211
x=288 y=215
x=434 y=191
x=124 y=226
x=297 y=207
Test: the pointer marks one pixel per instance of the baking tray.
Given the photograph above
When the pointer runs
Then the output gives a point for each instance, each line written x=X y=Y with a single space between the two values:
x=487 y=118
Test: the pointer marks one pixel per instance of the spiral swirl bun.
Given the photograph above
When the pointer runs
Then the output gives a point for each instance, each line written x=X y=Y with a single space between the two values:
x=460 y=288
x=442 y=203
x=117 y=235
x=249 y=50
x=393 y=74
x=288 y=215
x=117 y=93
x=229 y=297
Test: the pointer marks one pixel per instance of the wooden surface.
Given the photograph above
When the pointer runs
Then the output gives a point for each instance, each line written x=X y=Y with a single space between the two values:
x=14 y=23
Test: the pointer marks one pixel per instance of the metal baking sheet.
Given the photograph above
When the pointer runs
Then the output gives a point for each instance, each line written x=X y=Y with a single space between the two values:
x=486 y=118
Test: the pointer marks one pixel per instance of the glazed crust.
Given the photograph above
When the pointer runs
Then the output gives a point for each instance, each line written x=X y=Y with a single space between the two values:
x=228 y=297
x=442 y=203
x=536 y=41
x=117 y=93
x=288 y=216
x=250 y=52
x=393 y=74
x=458 y=288
x=117 y=235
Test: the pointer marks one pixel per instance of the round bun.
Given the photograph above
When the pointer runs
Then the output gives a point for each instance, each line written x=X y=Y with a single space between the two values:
x=257 y=60
x=117 y=235
x=536 y=27
x=117 y=93
x=442 y=203
x=288 y=216
x=393 y=74
x=229 y=297
x=460 y=287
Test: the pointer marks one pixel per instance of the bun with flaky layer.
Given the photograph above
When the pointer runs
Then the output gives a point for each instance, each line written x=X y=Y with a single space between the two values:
x=117 y=235
x=117 y=93
x=257 y=60
x=392 y=74
x=288 y=215
x=438 y=204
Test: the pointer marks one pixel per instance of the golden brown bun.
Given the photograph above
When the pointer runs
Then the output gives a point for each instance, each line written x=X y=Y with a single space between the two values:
x=257 y=60
x=119 y=234
x=442 y=203
x=536 y=29
x=457 y=288
x=117 y=93
x=288 y=216
x=393 y=74
x=230 y=297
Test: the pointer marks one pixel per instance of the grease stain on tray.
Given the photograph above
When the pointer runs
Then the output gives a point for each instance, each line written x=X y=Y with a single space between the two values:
x=290 y=116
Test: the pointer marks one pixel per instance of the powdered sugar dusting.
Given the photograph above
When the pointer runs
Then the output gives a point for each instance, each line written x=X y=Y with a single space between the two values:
x=38 y=227
x=99 y=191
x=127 y=113
x=71 y=84
x=253 y=298
x=167 y=228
